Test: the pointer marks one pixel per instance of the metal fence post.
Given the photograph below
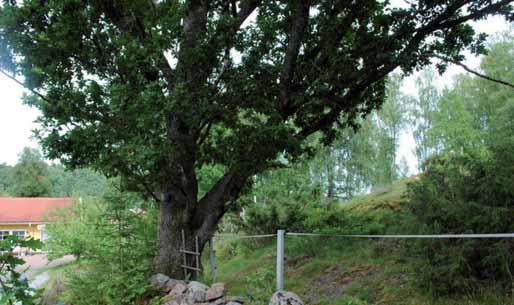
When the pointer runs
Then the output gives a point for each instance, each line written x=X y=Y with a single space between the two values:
x=280 y=259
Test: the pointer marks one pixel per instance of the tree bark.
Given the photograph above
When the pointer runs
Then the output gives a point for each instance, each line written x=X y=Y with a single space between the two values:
x=197 y=218
x=330 y=182
x=170 y=240
x=174 y=219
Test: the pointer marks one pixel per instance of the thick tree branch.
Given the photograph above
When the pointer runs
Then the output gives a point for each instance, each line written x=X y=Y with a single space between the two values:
x=212 y=206
x=430 y=27
x=296 y=34
x=194 y=29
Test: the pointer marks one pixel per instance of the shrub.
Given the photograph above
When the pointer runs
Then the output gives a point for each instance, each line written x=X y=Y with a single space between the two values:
x=14 y=289
x=114 y=240
x=267 y=219
x=458 y=195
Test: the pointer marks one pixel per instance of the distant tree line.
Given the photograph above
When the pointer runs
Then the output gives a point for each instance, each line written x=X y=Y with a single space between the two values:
x=31 y=176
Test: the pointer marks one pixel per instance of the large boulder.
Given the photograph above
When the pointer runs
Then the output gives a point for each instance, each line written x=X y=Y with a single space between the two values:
x=285 y=298
x=158 y=281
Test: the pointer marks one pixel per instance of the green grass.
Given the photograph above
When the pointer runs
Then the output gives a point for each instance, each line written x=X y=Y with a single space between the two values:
x=342 y=273
x=338 y=271
x=385 y=197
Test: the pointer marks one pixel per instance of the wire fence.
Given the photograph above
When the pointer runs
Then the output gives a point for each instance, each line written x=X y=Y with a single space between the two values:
x=238 y=236
x=403 y=236
x=281 y=237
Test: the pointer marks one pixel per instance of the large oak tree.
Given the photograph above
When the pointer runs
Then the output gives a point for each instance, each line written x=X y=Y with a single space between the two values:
x=153 y=91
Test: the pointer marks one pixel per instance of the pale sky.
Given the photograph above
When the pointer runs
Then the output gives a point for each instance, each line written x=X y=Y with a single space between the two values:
x=17 y=120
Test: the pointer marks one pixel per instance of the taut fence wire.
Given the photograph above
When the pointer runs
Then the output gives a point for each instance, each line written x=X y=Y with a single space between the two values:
x=281 y=234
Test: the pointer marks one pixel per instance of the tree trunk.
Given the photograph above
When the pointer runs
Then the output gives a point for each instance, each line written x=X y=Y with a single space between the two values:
x=331 y=186
x=175 y=217
x=170 y=227
x=182 y=211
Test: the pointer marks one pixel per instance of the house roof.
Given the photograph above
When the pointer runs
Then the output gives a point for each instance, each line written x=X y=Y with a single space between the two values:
x=29 y=210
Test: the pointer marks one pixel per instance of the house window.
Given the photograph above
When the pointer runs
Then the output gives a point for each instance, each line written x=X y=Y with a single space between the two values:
x=19 y=233
x=5 y=233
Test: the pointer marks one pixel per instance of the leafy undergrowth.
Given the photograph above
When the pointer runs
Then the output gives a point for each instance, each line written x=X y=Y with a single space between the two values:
x=339 y=271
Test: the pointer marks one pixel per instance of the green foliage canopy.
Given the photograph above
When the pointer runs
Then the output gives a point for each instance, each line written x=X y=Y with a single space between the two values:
x=465 y=118
x=131 y=87
x=30 y=175
x=5 y=178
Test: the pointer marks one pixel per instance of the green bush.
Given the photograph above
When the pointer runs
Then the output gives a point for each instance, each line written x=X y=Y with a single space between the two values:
x=266 y=219
x=114 y=240
x=14 y=289
x=458 y=195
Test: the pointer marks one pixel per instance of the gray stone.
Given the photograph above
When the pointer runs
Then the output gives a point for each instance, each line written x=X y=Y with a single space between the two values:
x=194 y=285
x=216 y=291
x=285 y=298
x=197 y=292
x=159 y=280
x=196 y=296
x=171 y=284
x=178 y=289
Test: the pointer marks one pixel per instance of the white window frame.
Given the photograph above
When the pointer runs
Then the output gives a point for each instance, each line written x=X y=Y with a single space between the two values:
x=3 y=234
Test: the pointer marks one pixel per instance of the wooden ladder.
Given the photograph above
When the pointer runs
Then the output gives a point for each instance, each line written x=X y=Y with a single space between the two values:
x=196 y=253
